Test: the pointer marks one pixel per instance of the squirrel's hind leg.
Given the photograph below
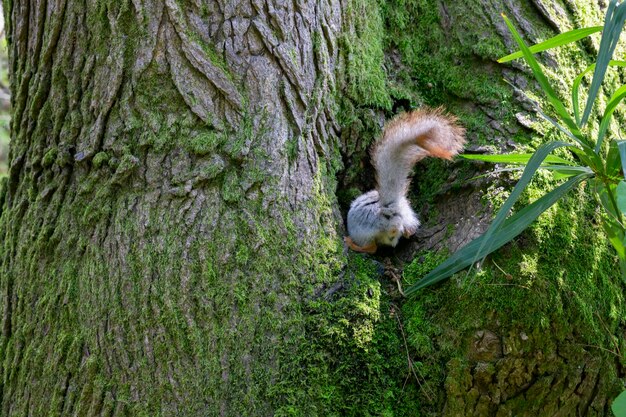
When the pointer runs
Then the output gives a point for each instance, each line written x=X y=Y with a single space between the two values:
x=370 y=248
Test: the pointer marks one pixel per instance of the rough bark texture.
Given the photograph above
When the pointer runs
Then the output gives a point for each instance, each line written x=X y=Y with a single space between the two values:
x=171 y=238
x=153 y=217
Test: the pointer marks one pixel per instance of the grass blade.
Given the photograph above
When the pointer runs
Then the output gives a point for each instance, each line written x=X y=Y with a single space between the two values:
x=620 y=196
x=605 y=193
x=578 y=80
x=516 y=158
x=511 y=228
x=602 y=53
x=621 y=145
x=566 y=171
x=533 y=164
x=619 y=405
x=613 y=24
x=580 y=139
x=558 y=40
x=589 y=158
x=608 y=113
x=560 y=171
x=543 y=81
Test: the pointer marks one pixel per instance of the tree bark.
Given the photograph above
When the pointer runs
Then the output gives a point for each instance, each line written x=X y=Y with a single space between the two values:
x=156 y=227
x=171 y=239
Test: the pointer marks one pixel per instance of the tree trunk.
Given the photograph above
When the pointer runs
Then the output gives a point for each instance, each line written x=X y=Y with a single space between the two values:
x=171 y=239
x=165 y=177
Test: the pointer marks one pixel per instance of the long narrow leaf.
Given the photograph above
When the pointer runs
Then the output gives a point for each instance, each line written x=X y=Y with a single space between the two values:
x=614 y=101
x=558 y=40
x=615 y=234
x=619 y=405
x=566 y=171
x=589 y=158
x=515 y=158
x=543 y=81
x=533 y=164
x=621 y=145
x=560 y=171
x=604 y=191
x=613 y=24
x=512 y=227
x=598 y=75
x=578 y=80
x=620 y=197
x=580 y=138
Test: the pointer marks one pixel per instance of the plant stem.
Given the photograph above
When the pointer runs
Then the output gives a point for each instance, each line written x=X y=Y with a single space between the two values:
x=618 y=213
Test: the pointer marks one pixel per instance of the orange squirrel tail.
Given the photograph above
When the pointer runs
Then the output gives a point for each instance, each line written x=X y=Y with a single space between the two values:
x=409 y=138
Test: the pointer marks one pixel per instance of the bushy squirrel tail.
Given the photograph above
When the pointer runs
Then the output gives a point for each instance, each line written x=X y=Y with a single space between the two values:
x=409 y=138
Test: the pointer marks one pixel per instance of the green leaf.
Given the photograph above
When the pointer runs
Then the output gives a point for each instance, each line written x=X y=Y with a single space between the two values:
x=566 y=171
x=558 y=40
x=613 y=24
x=560 y=171
x=581 y=139
x=619 y=405
x=620 y=191
x=512 y=227
x=607 y=192
x=615 y=234
x=543 y=81
x=533 y=164
x=613 y=161
x=608 y=113
x=516 y=158
x=589 y=158
x=578 y=80
x=605 y=199
x=621 y=145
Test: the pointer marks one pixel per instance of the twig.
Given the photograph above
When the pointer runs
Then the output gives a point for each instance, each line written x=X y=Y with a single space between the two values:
x=601 y=348
x=408 y=358
x=606 y=329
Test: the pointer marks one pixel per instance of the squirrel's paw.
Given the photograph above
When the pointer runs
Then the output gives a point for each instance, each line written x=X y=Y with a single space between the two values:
x=370 y=248
x=409 y=231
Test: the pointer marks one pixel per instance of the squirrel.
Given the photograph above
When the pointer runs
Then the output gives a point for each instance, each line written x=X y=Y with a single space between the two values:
x=383 y=215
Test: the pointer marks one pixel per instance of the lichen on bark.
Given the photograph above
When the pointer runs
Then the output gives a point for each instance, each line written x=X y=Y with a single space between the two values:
x=153 y=231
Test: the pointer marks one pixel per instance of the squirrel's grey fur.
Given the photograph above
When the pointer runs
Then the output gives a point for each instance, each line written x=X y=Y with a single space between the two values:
x=382 y=215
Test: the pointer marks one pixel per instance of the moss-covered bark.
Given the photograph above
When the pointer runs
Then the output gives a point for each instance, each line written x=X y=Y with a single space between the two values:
x=539 y=331
x=171 y=237
x=166 y=213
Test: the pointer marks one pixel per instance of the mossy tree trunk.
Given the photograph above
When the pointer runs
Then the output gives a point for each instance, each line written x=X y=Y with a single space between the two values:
x=165 y=206
x=539 y=330
x=171 y=240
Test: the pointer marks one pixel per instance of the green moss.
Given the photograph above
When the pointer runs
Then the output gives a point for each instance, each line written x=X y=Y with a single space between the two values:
x=214 y=56
x=439 y=60
x=364 y=55
x=557 y=283
x=204 y=143
x=128 y=163
x=352 y=355
x=231 y=187
x=49 y=158
x=100 y=159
